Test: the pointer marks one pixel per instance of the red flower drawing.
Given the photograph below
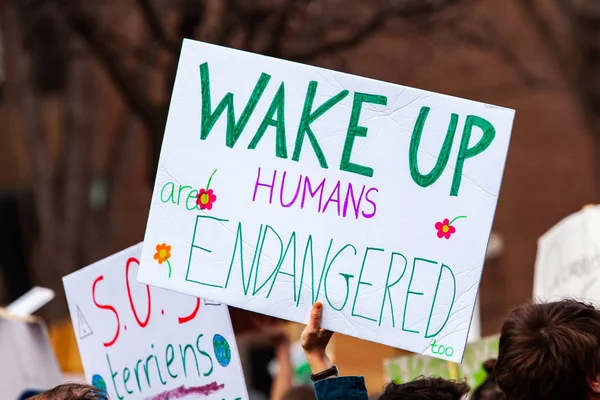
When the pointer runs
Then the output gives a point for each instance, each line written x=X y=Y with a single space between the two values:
x=445 y=228
x=206 y=197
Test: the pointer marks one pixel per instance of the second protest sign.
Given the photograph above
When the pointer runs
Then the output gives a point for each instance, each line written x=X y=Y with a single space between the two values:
x=142 y=343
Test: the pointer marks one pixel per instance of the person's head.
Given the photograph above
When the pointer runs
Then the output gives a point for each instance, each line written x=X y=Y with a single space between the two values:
x=426 y=389
x=488 y=390
x=304 y=392
x=550 y=351
x=72 y=391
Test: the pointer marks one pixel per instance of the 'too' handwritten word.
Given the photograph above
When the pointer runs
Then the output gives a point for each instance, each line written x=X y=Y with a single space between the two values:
x=441 y=349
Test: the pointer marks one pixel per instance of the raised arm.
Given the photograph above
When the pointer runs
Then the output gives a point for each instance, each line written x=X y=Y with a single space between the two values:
x=328 y=385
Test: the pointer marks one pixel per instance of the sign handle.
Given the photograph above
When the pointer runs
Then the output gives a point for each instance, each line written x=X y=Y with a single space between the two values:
x=452 y=370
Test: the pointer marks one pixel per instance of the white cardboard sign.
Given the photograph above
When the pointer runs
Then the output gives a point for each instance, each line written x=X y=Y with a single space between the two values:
x=138 y=342
x=568 y=259
x=280 y=184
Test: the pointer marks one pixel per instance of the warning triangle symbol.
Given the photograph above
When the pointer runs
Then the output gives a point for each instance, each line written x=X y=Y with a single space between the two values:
x=84 y=329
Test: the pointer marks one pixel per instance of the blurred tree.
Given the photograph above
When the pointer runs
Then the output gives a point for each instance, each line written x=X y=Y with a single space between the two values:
x=570 y=31
x=59 y=145
x=566 y=31
x=50 y=44
x=294 y=30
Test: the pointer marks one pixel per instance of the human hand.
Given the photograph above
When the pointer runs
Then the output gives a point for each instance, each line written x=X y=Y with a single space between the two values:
x=314 y=341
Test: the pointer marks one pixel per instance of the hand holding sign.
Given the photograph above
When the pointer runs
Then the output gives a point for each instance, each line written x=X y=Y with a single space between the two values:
x=314 y=341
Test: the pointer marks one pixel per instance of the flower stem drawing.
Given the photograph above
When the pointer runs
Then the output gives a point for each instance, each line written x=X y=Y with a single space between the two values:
x=170 y=269
x=445 y=229
x=460 y=216
x=206 y=196
x=210 y=179
x=163 y=253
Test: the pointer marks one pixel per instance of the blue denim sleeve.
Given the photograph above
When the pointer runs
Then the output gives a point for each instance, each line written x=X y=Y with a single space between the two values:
x=342 y=388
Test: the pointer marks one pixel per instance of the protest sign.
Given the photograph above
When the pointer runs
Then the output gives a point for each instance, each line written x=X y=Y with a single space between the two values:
x=406 y=368
x=28 y=363
x=280 y=184
x=138 y=342
x=568 y=259
x=30 y=302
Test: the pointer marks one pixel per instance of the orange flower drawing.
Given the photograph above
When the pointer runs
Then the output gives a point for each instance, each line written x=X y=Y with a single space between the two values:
x=163 y=253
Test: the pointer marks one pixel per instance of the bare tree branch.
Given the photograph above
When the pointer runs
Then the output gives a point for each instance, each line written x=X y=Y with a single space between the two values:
x=192 y=12
x=155 y=27
x=119 y=154
x=86 y=28
x=75 y=199
x=492 y=42
x=215 y=26
x=546 y=35
x=359 y=35
x=274 y=45
x=412 y=11
x=30 y=116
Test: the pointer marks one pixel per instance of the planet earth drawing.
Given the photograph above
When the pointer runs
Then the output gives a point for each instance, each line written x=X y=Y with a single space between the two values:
x=222 y=350
x=98 y=383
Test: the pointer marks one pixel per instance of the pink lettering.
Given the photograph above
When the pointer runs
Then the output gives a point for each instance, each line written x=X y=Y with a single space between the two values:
x=272 y=185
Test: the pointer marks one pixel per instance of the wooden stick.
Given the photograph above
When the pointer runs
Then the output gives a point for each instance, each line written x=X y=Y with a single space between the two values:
x=453 y=370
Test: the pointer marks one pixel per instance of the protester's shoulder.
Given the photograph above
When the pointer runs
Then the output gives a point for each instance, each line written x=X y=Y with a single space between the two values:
x=342 y=387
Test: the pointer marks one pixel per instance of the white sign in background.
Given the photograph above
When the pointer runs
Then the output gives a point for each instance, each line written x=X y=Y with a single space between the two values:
x=568 y=259
x=138 y=342
x=280 y=184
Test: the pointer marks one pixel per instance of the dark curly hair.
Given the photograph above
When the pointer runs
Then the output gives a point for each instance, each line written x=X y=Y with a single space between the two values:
x=488 y=390
x=72 y=391
x=549 y=351
x=426 y=389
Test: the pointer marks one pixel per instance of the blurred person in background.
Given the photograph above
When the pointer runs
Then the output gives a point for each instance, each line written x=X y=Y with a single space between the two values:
x=283 y=383
x=330 y=386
